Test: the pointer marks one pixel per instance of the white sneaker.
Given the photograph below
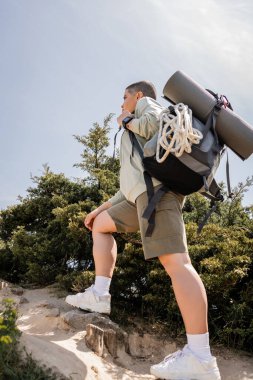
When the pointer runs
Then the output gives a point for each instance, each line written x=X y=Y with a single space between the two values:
x=184 y=365
x=91 y=301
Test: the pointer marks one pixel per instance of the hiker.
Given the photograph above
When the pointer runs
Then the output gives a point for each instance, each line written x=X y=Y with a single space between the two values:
x=123 y=213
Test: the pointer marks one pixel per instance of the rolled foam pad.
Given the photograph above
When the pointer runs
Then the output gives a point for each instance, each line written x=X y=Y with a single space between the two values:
x=236 y=133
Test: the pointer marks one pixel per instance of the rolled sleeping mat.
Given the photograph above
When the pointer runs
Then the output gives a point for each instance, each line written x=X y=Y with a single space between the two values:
x=236 y=133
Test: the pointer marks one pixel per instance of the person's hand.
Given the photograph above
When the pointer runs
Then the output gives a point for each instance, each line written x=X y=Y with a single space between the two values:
x=88 y=221
x=122 y=117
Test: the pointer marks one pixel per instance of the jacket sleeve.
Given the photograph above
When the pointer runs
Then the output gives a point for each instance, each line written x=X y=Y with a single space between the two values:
x=117 y=198
x=146 y=121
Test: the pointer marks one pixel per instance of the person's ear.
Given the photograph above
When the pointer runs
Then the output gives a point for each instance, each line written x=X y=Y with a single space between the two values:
x=139 y=95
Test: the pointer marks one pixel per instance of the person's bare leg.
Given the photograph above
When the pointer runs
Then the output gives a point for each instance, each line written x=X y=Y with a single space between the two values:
x=104 y=245
x=189 y=291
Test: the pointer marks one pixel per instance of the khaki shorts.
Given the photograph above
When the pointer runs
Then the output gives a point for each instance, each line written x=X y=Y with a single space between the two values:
x=169 y=233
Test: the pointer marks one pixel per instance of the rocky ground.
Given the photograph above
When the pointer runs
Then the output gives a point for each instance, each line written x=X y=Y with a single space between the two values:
x=90 y=346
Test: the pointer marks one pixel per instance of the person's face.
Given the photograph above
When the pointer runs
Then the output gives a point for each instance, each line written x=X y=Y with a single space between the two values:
x=130 y=100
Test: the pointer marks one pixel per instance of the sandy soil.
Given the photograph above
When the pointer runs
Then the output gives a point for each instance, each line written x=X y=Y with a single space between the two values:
x=53 y=343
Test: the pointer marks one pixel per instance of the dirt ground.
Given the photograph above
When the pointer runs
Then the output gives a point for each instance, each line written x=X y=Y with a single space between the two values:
x=53 y=343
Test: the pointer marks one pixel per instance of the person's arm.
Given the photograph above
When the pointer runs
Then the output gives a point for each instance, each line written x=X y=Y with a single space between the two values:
x=88 y=221
x=118 y=197
x=146 y=122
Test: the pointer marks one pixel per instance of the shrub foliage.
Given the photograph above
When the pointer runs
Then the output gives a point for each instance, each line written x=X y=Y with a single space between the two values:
x=15 y=362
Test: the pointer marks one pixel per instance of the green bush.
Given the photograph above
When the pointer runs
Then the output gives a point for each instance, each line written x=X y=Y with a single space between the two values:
x=14 y=365
x=76 y=281
x=8 y=337
x=223 y=257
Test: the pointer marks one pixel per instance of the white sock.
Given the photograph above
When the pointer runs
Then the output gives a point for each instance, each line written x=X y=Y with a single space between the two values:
x=102 y=285
x=199 y=345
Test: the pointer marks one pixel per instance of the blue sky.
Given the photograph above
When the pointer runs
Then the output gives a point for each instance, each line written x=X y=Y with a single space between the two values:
x=64 y=64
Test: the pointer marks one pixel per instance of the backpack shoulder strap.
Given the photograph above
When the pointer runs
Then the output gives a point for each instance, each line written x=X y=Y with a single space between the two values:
x=215 y=195
x=135 y=143
x=214 y=192
x=153 y=197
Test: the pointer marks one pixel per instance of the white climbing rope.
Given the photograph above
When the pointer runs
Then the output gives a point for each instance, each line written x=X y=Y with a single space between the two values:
x=176 y=134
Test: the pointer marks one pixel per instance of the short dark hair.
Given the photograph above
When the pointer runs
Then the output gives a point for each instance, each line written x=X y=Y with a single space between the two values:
x=147 y=88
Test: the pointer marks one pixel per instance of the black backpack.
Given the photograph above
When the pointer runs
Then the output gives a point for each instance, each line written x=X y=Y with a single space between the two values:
x=189 y=173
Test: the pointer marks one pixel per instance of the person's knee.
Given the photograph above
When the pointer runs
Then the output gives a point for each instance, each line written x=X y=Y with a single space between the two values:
x=103 y=223
x=175 y=263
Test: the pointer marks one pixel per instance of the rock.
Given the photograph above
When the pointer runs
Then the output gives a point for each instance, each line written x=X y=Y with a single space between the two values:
x=110 y=341
x=94 y=369
x=17 y=291
x=62 y=325
x=139 y=346
x=45 y=304
x=3 y=285
x=23 y=300
x=95 y=339
x=102 y=333
x=53 y=313
x=144 y=346
x=79 y=320
x=5 y=290
x=114 y=338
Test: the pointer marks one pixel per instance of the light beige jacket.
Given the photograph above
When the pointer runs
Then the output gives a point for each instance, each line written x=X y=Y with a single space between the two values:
x=144 y=125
